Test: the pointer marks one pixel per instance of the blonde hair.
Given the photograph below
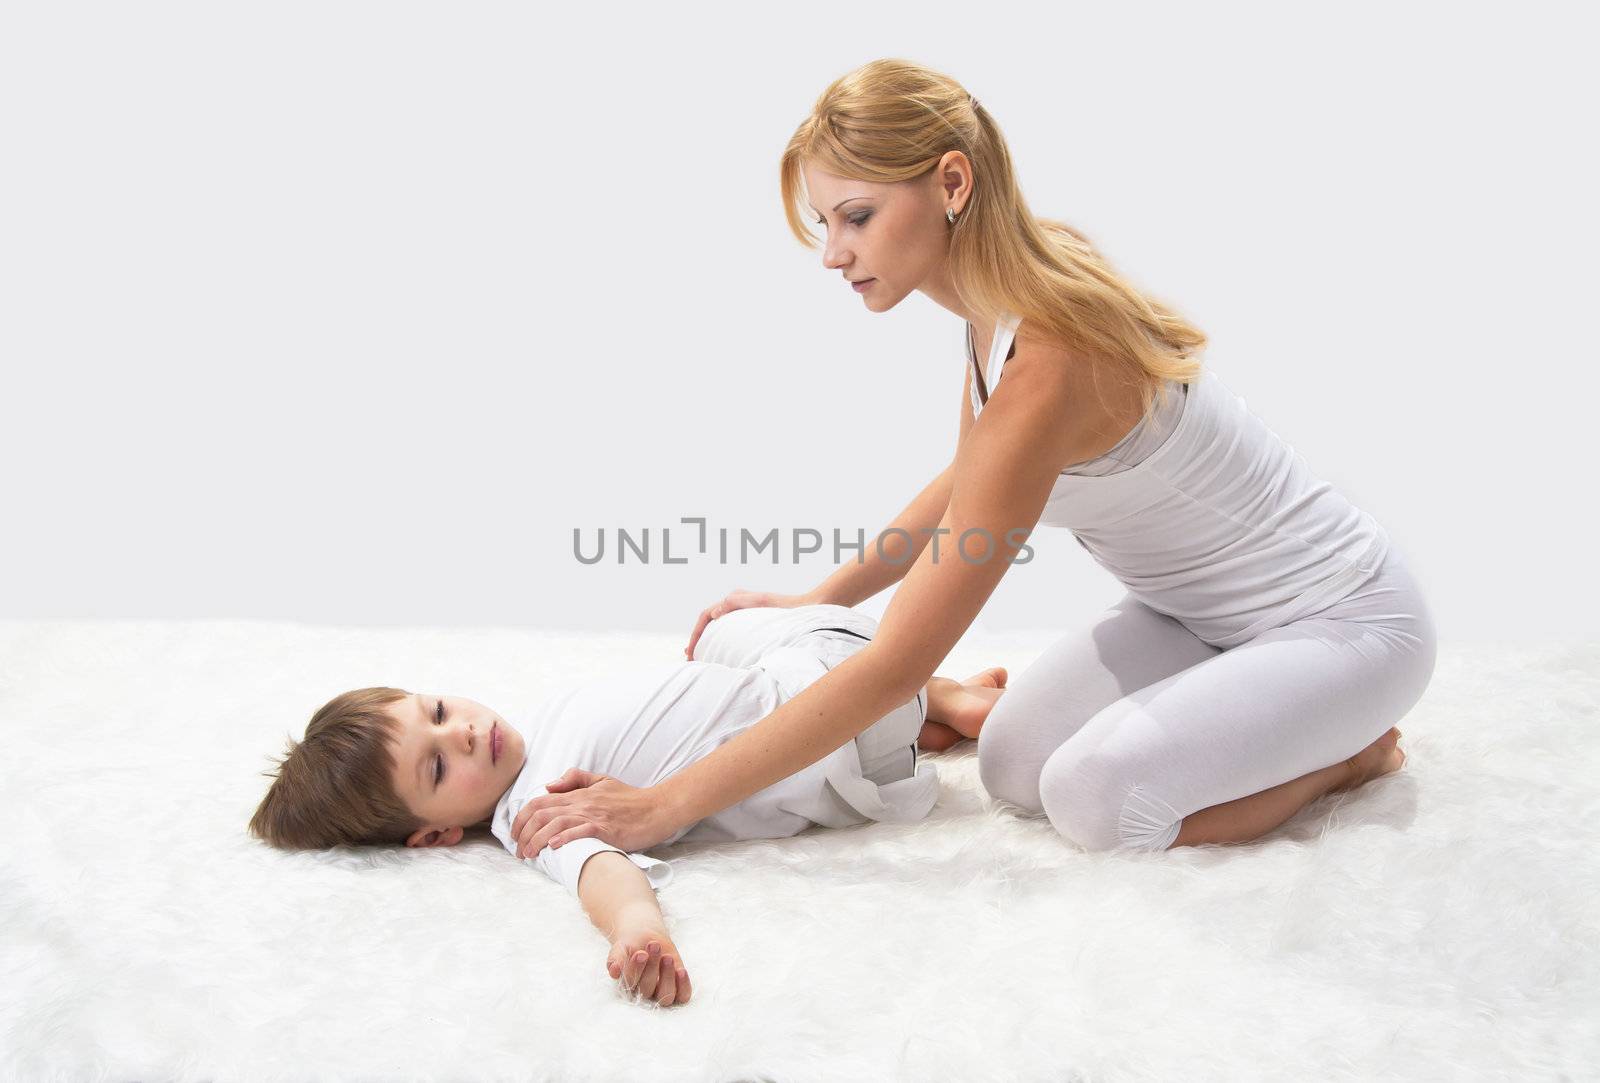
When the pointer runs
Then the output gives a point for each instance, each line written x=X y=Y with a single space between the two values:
x=335 y=788
x=892 y=120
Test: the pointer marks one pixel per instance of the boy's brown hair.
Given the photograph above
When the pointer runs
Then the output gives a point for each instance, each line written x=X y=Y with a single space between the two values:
x=334 y=788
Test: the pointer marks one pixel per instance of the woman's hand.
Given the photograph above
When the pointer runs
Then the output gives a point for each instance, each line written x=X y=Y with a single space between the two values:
x=582 y=804
x=644 y=960
x=742 y=599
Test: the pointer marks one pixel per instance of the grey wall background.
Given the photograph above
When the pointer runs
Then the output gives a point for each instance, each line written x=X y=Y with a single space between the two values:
x=352 y=312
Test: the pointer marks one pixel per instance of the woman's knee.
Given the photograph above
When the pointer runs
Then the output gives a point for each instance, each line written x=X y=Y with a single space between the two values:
x=1008 y=762
x=1407 y=619
x=1089 y=799
x=1428 y=652
x=1074 y=796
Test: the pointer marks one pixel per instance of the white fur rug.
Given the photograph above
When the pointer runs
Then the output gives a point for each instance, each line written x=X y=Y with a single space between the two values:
x=1440 y=923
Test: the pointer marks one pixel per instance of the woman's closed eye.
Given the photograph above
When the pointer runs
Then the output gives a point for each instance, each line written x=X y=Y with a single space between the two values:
x=853 y=221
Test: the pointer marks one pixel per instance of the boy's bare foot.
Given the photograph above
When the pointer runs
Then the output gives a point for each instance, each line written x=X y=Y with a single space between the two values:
x=956 y=711
x=994 y=677
x=936 y=737
x=1381 y=757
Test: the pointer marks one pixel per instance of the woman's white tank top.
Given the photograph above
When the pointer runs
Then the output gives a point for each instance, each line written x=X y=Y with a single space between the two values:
x=1206 y=515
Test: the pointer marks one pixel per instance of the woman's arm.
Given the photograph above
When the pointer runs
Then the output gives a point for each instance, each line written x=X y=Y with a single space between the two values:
x=1003 y=473
x=1002 y=476
x=855 y=582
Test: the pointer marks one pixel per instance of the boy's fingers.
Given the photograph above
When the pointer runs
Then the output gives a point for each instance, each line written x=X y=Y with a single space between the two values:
x=684 y=989
x=636 y=965
x=668 y=982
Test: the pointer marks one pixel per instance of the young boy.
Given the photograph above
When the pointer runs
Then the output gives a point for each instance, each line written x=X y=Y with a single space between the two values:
x=448 y=763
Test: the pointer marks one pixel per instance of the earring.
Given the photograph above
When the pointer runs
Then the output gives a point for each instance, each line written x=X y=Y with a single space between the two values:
x=950 y=216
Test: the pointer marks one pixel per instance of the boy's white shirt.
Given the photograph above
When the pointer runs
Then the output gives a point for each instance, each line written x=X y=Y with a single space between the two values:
x=643 y=726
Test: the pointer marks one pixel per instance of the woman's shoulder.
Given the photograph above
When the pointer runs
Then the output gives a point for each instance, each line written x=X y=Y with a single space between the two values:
x=1095 y=401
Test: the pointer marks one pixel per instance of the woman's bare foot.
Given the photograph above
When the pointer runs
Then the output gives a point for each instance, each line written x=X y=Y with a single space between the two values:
x=1381 y=757
x=956 y=711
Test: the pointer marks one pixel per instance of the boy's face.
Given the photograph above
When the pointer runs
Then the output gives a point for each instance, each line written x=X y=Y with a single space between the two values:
x=445 y=769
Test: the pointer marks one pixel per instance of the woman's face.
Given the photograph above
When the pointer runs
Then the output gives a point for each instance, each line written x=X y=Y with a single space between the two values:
x=896 y=235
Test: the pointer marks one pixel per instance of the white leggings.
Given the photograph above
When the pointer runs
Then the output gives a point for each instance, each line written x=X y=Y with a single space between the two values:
x=1121 y=729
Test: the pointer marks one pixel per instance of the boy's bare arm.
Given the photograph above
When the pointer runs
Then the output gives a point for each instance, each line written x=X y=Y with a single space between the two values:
x=614 y=891
x=621 y=903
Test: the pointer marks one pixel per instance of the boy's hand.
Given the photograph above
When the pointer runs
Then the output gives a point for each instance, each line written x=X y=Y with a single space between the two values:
x=645 y=961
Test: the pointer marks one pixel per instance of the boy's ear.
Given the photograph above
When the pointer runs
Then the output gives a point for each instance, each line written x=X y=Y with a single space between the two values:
x=432 y=837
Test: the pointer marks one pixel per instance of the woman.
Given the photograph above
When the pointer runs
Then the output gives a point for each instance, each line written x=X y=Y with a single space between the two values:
x=1271 y=634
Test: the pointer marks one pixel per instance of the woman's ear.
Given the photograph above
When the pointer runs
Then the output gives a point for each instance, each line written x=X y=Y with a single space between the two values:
x=955 y=176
